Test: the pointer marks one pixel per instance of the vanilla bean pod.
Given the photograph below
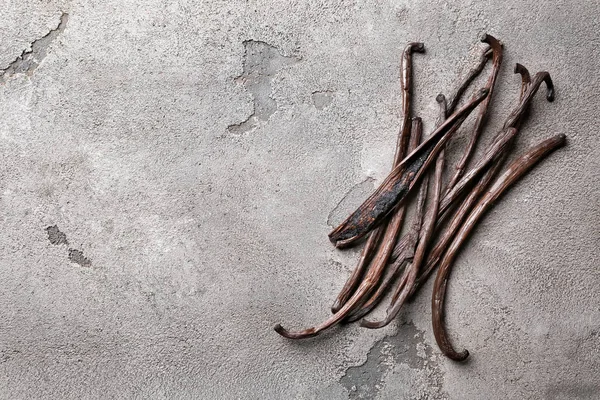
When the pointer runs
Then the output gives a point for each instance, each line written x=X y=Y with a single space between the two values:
x=402 y=143
x=392 y=228
x=473 y=73
x=447 y=108
x=514 y=120
x=407 y=253
x=515 y=170
x=446 y=237
x=365 y=288
x=401 y=180
x=408 y=241
x=481 y=115
x=427 y=229
x=517 y=114
x=492 y=154
x=525 y=79
x=421 y=234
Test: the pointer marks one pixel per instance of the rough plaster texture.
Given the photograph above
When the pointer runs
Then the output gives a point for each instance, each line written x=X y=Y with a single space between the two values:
x=170 y=171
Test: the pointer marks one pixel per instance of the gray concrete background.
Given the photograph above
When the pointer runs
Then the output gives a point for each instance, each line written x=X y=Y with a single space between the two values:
x=170 y=171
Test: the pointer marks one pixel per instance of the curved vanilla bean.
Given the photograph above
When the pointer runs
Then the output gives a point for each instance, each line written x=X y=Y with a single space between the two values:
x=514 y=120
x=427 y=229
x=481 y=115
x=366 y=256
x=407 y=242
x=365 y=288
x=516 y=115
x=401 y=180
x=473 y=73
x=491 y=155
x=515 y=170
x=400 y=249
x=455 y=223
x=525 y=79
x=496 y=157
x=406 y=246
x=406 y=87
x=401 y=148
x=525 y=84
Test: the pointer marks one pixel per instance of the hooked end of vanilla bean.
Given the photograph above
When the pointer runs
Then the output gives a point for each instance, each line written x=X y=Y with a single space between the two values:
x=416 y=47
x=295 y=335
x=492 y=41
x=462 y=356
x=549 y=88
x=524 y=72
x=440 y=98
x=336 y=306
x=373 y=324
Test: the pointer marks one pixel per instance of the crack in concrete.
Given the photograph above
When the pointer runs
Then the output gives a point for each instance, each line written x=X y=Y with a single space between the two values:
x=31 y=58
x=352 y=199
x=261 y=63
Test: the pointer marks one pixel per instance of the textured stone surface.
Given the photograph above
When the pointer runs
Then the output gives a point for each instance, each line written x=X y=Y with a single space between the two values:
x=168 y=172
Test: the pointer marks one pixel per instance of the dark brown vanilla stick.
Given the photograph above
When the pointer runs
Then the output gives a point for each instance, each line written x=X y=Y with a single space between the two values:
x=515 y=170
x=496 y=150
x=363 y=291
x=406 y=87
x=525 y=79
x=455 y=223
x=366 y=256
x=473 y=73
x=427 y=230
x=401 y=180
x=373 y=276
x=517 y=114
x=490 y=169
x=514 y=120
x=481 y=115
x=401 y=149
x=406 y=246
x=409 y=240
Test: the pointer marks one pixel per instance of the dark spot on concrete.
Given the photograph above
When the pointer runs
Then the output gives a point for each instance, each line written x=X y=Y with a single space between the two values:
x=55 y=236
x=406 y=347
x=402 y=13
x=31 y=58
x=322 y=99
x=77 y=256
x=7 y=355
x=351 y=200
x=261 y=62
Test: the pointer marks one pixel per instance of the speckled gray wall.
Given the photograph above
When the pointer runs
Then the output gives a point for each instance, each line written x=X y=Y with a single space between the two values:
x=170 y=171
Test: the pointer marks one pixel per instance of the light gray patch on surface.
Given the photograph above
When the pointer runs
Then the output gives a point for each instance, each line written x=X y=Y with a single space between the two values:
x=31 y=58
x=322 y=99
x=55 y=236
x=261 y=63
x=351 y=200
x=77 y=257
x=406 y=348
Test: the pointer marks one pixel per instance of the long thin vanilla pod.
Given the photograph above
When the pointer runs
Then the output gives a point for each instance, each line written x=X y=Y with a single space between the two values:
x=515 y=170
x=401 y=180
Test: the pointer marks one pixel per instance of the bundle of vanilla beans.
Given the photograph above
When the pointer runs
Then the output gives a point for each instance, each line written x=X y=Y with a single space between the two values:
x=391 y=263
